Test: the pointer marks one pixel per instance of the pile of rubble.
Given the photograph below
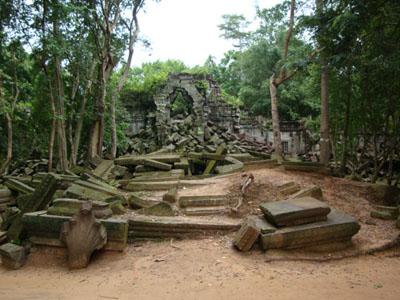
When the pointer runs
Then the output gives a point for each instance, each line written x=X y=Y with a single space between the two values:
x=182 y=138
x=302 y=221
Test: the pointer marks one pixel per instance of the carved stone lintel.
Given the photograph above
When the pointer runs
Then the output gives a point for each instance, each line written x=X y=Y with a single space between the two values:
x=82 y=234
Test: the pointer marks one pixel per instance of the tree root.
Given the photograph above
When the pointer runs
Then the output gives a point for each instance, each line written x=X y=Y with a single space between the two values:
x=384 y=247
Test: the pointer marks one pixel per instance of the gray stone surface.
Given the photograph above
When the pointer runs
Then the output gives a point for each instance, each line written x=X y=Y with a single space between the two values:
x=13 y=256
x=295 y=211
x=338 y=227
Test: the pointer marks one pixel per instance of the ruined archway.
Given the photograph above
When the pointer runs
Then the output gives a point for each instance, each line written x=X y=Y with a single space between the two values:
x=204 y=101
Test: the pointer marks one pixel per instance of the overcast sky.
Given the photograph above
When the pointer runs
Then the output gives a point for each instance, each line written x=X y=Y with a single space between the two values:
x=187 y=29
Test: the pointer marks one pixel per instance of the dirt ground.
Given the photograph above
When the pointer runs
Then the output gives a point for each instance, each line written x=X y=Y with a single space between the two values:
x=211 y=268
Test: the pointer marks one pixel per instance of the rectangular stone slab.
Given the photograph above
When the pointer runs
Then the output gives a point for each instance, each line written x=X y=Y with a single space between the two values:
x=261 y=164
x=313 y=191
x=103 y=169
x=208 y=200
x=295 y=211
x=211 y=164
x=337 y=227
x=5 y=193
x=205 y=211
x=151 y=186
x=138 y=160
x=46 y=228
x=41 y=197
x=157 y=165
x=305 y=167
x=79 y=191
x=18 y=186
x=246 y=236
x=169 y=225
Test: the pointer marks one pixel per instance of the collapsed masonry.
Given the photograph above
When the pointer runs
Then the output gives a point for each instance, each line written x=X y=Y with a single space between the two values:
x=205 y=116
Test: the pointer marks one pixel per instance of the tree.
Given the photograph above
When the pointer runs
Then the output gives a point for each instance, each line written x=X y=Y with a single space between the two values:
x=274 y=84
x=133 y=29
x=233 y=29
x=324 y=129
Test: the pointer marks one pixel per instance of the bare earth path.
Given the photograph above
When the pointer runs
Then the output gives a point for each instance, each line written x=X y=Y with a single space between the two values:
x=200 y=269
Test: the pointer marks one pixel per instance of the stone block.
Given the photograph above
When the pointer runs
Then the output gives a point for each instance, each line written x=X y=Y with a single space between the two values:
x=160 y=209
x=69 y=207
x=246 y=236
x=212 y=163
x=170 y=196
x=305 y=167
x=385 y=215
x=289 y=188
x=142 y=168
x=260 y=164
x=388 y=193
x=83 y=192
x=137 y=202
x=140 y=226
x=212 y=156
x=205 y=200
x=243 y=157
x=157 y=165
x=44 y=229
x=18 y=186
x=205 y=211
x=338 y=227
x=13 y=256
x=233 y=166
x=138 y=159
x=118 y=171
x=103 y=169
x=40 y=199
x=151 y=186
x=117 y=208
x=295 y=211
x=5 y=193
x=313 y=192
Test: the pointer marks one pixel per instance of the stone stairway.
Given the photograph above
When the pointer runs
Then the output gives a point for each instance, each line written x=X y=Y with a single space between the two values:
x=203 y=205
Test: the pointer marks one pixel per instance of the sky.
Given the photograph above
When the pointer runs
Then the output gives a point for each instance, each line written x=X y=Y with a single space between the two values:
x=187 y=29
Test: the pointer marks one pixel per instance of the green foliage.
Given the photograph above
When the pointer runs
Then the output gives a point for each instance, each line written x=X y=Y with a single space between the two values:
x=143 y=82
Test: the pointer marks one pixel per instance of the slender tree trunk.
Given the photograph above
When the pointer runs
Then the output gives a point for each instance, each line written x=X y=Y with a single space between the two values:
x=9 y=116
x=9 y=132
x=275 y=83
x=132 y=39
x=324 y=130
x=275 y=117
x=79 y=118
x=346 y=127
x=324 y=141
x=53 y=120
x=61 y=135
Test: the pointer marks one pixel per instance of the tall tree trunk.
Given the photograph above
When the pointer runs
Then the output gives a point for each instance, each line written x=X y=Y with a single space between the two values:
x=61 y=134
x=9 y=116
x=132 y=39
x=346 y=126
x=275 y=83
x=79 y=118
x=324 y=129
x=275 y=117
x=53 y=120
x=9 y=131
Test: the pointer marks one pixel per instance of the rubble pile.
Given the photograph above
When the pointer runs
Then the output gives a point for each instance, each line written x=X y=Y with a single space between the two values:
x=296 y=223
x=182 y=137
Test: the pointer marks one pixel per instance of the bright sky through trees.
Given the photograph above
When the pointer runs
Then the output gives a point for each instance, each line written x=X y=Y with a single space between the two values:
x=187 y=29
